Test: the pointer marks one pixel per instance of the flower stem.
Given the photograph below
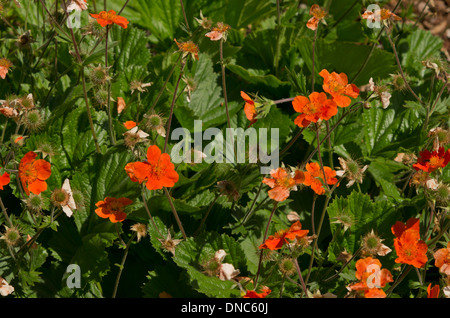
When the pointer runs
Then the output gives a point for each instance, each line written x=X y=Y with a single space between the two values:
x=149 y=214
x=313 y=75
x=224 y=83
x=5 y=213
x=185 y=18
x=401 y=69
x=111 y=130
x=175 y=212
x=264 y=239
x=300 y=276
x=169 y=121
x=124 y=258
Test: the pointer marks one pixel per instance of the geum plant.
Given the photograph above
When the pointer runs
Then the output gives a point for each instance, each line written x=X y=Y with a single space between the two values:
x=93 y=177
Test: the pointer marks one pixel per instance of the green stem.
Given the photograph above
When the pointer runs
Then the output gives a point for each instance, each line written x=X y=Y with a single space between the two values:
x=149 y=214
x=264 y=239
x=122 y=264
x=174 y=211
x=169 y=121
x=111 y=130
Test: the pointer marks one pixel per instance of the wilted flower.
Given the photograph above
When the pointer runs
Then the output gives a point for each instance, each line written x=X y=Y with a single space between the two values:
x=218 y=32
x=381 y=92
x=77 y=5
x=228 y=188
x=5 y=65
x=352 y=170
x=140 y=229
x=203 y=21
x=442 y=259
x=188 y=48
x=282 y=182
x=372 y=245
x=169 y=244
x=5 y=288
x=64 y=198
x=139 y=86
x=318 y=14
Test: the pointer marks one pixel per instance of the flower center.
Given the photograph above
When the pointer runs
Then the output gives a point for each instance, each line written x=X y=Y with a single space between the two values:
x=436 y=161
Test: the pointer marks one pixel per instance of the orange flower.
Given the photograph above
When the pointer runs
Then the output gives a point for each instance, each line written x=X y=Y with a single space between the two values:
x=249 y=108
x=313 y=175
x=312 y=109
x=318 y=14
x=431 y=161
x=112 y=208
x=442 y=259
x=282 y=182
x=253 y=294
x=130 y=124
x=4 y=67
x=157 y=171
x=408 y=245
x=371 y=278
x=188 y=47
x=4 y=179
x=337 y=86
x=106 y=18
x=433 y=292
x=276 y=241
x=33 y=173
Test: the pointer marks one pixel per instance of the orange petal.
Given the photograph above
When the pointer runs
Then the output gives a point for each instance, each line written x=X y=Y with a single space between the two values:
x=37 y=186
x=299 y=103
x=117 y=217
x=43 y=169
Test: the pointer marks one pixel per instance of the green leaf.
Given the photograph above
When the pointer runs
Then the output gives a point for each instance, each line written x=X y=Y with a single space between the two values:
x=192 y=253
x=365 y=216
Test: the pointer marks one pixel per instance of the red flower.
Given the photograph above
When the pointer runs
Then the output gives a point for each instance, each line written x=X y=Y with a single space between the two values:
x=253 y=294
x=408 y=245
x=112 y=208
x=4 y=179
x=157 y=172
x=337 y=86
x=105 y=18
x=282 y=182
x=33 y=173
x=314 y=177
x=431 y=161
x=276 y=241
x=371 y=278
x=312 y=109
x=433 y=292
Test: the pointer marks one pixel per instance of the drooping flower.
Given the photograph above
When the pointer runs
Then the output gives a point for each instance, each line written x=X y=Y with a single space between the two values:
x=442 y=259
x=130 y=124
x=314 y=177
x=249 y=108
x=311 y=109
x=218 y=32
x=77 y=5
x=157 y=172
x=188 y=48
x=112 y=208
x=282 y=182
x=408 y=245
x=4 y=179
x=253 y=294
x=431 y=161
x=371 y=278
x=225 y=271
x=33 y=173
x=140 y=229
x=383 y=94
x=134 y=136
x=317 y=15
x=433 y=292
x=204 y=22
x=5 y=65
x=111 y=17
x=338 y=87
x=276 y=241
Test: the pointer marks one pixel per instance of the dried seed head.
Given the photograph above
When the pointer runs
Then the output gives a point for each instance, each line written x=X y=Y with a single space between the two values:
x=155 y=122
x=45 y=148
x=372 y=245
x=100 y=98
x=398 y=82
x=24 y=40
